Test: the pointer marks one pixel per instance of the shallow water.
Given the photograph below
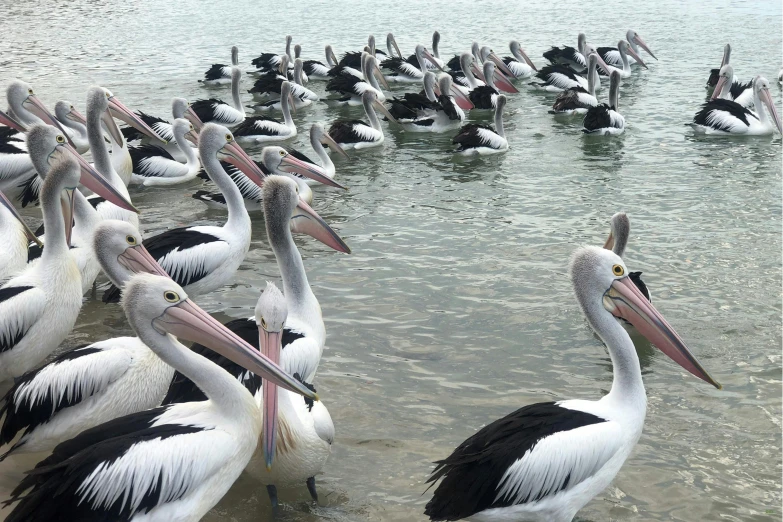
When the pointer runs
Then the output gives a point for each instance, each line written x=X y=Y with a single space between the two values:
x=455 y=308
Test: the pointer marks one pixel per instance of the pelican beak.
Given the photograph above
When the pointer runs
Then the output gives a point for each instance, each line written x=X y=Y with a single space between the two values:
x=766 y=99
x=329 y=141
x=477 y=72
x=68 y=213
x=307 y=221
x=192 y=136
x=601 y=61
x=394 y=43
x=34 y=105
x=376 y=70
x=382 y=108
x=27 y=232
x=118 y=110
x=186 y=320
x=291 y=164
x=234 y=154
x=636 y=57
x=193 y=118
x=93 y=181
x=501 y=65
x=722 y=80
x=138 y=260
x=76 y=116
x=432 y=60
x=8 y=121
x=503 y=83
x=291 y=102
x=625 y=300
x=460 y=98
x=527 y=59
x=609 y=242
x=641 y=43
x=270 y=344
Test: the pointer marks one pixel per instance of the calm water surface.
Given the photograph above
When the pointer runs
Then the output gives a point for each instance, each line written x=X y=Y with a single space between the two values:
x=455 y=307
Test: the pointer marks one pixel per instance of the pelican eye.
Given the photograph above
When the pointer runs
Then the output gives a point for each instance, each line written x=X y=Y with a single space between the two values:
x=618 y=270
x=283 y=153
x=72 y=107
x=229 y=137
x=108 y=94
x=171 y=297
x=60 y=138
x=29 y=91
x=130 y=239
x=297 y=189
x=263 y=323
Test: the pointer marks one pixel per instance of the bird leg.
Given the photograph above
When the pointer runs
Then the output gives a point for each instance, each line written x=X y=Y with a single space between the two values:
x=311 y=488
x=272 y=492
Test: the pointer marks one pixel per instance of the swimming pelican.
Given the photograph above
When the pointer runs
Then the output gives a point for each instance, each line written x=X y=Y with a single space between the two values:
x=265 y=128
x=153 y=166
x=406 y=72
x=356 y=134
x=545 y=461
x=558 y=78
x=74 y=124
x=612 y=56
x=353 y=59
x=573 y=58
x=180 y=108
x=577 y=100
x=319 y=138
x=485 y=96
x=729 y=88
x=270 y=85
x=93 y=384
x=14 y=236
x=625 y=71
x=39 y=306
x=219 y=73
x=430 y=113
x=271 y=61
x=604 y=119
x=480 y=139
x=316 y=70
x=519 y=63
x=712 y=81
x=502 y=76
x=169 y=463
x=350 y=88
x=218 y=111
x=729 y=117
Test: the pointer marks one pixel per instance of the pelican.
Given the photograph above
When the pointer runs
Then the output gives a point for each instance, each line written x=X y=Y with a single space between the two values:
x=319 y=138
x=463 y=77
x=271 y=61
x=612 y=56
x=729 y=117
x=356 y=134
x=168 y=463
x=729 y=88
x=218 y=111
x=544 y=462
x=604 y=119
x=625 y=70
x=406 y=72
x=502 y=72
x=430 y=113
x=264 y=128
x=88 y=386
x=220 y=74
x=485 y=96
x=350 y=88
x=519 y=63
x=271 y=84
x=353 y=59
x=180 y=108
x=316 y=70
x=74 y=124
x=14 y=235
x=577 y=100
x=558 y=78
x=39 y=306
x=476 y=139
x=153 y=166
x=573 y=58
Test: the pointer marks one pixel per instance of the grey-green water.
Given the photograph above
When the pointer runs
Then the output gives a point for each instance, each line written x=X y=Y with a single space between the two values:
x=455 y=308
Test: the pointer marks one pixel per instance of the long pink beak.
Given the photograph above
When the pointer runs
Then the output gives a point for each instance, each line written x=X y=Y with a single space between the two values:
x=501 y=65
x=503 y=83
x=636 y=57
x=641 y=43
x=92 y=180
x=193 y=118
x=234 y=154
x=625 y=300
x=138 y=260
x=187 y=321
x=271 y=346
x=718 y=87
x=307 y=221
x=76 y=116
x=461 y=99
x=291 y=164
x=27 y=232
x=120 y=111
x=8 y=121
x=39 y=109
x=766 y=98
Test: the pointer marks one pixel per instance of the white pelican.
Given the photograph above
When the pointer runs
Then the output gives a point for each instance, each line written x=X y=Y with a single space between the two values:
x=271 y=83
x=14 y=236
x=218 y=111
x=74 y=124
x=577 y=100
x=604 y=119
x=39 y=306
x=153 y=166
x=266 y=128
x=405 y=71
x=429 y=113
x=271 y=61
x=558 y=78
x=729 y=88
x=573 y=58
x=502 y=74
x=545 y=461
x=180 y=108
x=625 y=69
x=93 y=384
x=319 y=138
x=350 y=88
x=316 y=70
x=356 y=134
x=169 y=463
x=477 y=139
x=219 y=73
x=519 y=63
x=729 y=117
x=463 y=76
x=612 y=56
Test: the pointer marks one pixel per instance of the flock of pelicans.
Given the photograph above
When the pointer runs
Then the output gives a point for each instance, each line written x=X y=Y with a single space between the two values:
x=143 y=428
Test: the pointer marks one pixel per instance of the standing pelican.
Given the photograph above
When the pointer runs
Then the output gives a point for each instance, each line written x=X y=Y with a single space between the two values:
x=612 y=56
x=483 y=139
x=544 y=462
x=729 y=117
x=218 y=73
x=169 y=463
x=218 y=111
x=604 y=119
x=356 y=134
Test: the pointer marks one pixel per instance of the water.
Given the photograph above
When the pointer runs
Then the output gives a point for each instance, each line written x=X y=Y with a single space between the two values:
x=455 y=308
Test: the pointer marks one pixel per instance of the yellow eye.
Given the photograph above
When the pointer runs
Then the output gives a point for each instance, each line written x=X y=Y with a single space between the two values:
x=108 y=94
x=191 y=127
x=618 y=270
x=263 y=323
x=60 y=138
x=229 y=137
x=131 y=240
x=283 y=153
x=29 y=91
x=170 y=296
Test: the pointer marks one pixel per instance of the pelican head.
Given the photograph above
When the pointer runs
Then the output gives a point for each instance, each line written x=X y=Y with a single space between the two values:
x=66 y=112
x=761 y=92
x=625 y=48
x=216 y=141
x=633 y=36
x=120 y=252
x=520 y=54
x=109 y=106
x=23 y=101
x=619 y=232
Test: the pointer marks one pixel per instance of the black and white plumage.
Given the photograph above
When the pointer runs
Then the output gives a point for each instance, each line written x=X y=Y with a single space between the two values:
x=218 y=73
x=268 y=129
x=612 y=56
x=519 y=63
x=270 y=85
x=728 y=117
x=485 y=96
x=624 y=50
x=356 y=134
x=349 y=88
x=577 y=100
x=573 y=58
x=153 y=166
x=544 y=462
x=604 y=119
x=557 y=78
x=483 y=139
x=728 y=87
x=409 y=70
x=218 y=111
x=316 y=70
x=429 y=113
x=271 y=61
